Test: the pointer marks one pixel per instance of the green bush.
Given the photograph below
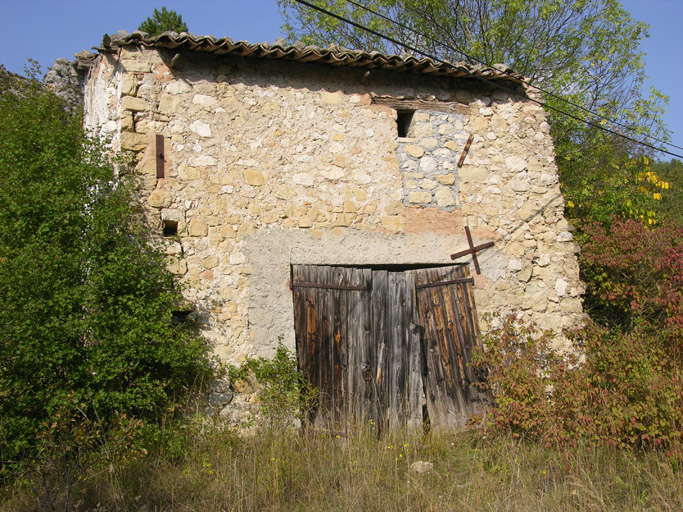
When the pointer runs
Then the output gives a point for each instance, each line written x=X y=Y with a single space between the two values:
x=284 y=394
x=86 y=298
x=73 y=449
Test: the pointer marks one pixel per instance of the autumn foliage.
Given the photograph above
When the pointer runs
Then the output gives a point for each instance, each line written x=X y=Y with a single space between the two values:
x=617 y=390
x=634 y=273
x=623 y=385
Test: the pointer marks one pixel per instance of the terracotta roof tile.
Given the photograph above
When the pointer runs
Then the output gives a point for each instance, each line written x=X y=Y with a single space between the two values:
x=298 y=52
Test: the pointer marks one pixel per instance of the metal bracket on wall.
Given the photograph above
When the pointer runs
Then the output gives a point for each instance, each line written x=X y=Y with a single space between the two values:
x=365 y=288
x=465 y=150
x=160 y=156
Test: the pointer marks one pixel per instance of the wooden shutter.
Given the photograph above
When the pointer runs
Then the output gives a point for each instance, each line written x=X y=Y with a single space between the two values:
x=333 y=328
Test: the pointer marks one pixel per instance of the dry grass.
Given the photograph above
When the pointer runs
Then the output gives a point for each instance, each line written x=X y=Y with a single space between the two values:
x=221 y=471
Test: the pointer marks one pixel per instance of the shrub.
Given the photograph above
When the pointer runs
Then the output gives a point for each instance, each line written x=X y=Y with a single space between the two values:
x=86 y=298
x=284 y=395
x=627 y=393
x=73 y=449
x=634 y=273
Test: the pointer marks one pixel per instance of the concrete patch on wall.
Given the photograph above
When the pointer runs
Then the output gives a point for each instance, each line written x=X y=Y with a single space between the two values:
x=273 y=251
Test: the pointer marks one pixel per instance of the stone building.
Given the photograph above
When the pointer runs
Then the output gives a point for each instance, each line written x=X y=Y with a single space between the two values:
x=257 y=160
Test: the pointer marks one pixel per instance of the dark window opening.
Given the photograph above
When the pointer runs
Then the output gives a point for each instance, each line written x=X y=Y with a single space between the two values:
x=403 y=121
x=170 y=228
x=180 y=317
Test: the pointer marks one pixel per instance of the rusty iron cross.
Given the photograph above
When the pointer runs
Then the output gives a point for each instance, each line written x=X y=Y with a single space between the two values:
x=472 y=250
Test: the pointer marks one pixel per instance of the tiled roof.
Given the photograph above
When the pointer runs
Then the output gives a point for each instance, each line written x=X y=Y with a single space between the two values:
x=298 y=52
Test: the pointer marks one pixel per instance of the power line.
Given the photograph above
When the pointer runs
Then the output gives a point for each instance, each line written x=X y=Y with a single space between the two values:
x=489 y=66
x=485 y=80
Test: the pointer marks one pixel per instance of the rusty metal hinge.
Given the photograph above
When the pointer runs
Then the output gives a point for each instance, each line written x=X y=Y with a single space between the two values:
x=365 y=288
x=445 y=283
x=465 y=150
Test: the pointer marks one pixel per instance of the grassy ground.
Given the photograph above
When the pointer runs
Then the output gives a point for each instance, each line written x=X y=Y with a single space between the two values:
x=293 y=471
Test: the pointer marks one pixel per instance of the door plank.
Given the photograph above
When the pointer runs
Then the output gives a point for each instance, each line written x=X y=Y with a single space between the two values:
x=411 y=333
x=382 y=342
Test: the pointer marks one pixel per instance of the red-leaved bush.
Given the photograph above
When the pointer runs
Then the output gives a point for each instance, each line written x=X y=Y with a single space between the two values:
x=626 y=392
x=634 y=274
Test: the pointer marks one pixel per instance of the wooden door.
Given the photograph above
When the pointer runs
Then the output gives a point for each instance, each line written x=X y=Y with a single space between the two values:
x=378 y=343
x=397 y=368
x=447 y=318
x=332 y=312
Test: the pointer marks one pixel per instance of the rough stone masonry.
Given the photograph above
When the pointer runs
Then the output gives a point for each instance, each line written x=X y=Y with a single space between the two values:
x=274 y=156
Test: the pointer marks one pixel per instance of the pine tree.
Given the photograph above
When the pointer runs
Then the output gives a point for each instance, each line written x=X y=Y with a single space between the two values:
x=162 y=21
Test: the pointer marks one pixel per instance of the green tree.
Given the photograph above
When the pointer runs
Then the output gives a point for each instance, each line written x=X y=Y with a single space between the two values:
x=162 y=21
x=672 y=203
x=587 y=51
x=86 y=298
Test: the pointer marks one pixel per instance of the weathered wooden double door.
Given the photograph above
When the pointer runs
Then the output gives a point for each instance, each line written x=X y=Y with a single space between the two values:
x=388 y=346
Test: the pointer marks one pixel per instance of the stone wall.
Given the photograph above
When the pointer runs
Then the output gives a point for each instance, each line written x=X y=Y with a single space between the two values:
x=272 y=163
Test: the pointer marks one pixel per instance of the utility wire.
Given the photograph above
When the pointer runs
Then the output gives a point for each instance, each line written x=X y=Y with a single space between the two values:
x=489 y=66
x=481 y=78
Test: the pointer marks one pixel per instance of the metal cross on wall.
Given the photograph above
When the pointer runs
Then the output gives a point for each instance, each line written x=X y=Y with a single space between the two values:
x=472 y=250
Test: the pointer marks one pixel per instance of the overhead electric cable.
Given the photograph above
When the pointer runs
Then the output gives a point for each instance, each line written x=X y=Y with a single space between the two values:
x=485 y=80
x=483 y=63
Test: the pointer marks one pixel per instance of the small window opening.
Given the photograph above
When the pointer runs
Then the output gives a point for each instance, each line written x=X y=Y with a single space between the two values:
x=170 y=228
x=182 y=311
x=180 y=317
x=403 y=121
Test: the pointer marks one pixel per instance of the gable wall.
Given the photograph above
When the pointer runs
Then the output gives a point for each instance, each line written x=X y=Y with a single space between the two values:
x=272 y=163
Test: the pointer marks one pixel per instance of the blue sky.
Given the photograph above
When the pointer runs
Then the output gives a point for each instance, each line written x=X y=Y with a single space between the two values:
x=48 y=29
